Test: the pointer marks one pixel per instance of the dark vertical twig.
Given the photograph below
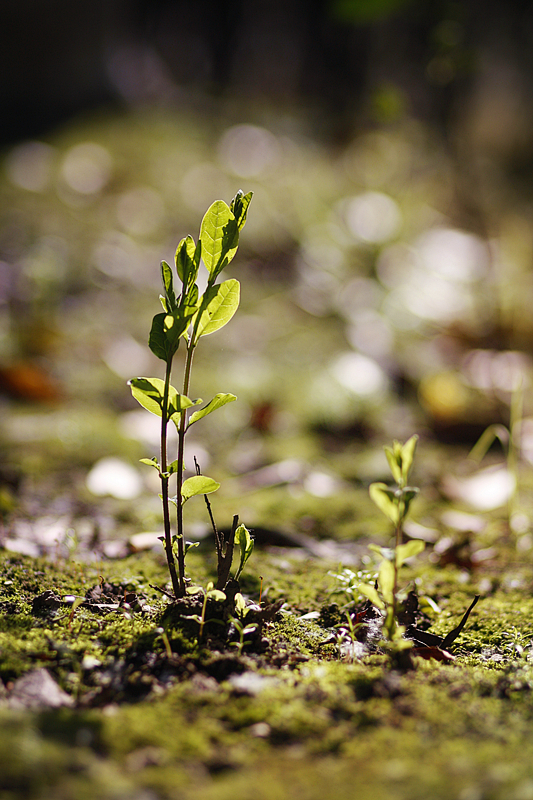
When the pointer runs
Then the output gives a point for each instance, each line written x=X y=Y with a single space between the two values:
x=225 y=560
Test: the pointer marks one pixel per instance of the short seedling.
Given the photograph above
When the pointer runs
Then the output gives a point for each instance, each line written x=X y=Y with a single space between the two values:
x=239 y=623
x=394 y=503
x=186 y=317
x=209 y=592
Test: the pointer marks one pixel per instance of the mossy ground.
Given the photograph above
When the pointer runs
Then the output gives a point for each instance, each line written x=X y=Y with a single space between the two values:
x=295 y=721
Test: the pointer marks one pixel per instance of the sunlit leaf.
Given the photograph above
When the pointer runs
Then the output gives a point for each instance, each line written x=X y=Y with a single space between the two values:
x=240 y=603
x=408 y=550
x=395 y=466
x=239 y=207
x=219 y=235
x=219 y=304
x=407 y=457
x=370 y=592
x=216 y=594
x=187 y=260
x=426 y=601
x=218 y=401
x=385 y=500
x=152 y=462
x=198 y=484
x=249 y=629
x=245 y=543
x=166 y=277
x=149 y=392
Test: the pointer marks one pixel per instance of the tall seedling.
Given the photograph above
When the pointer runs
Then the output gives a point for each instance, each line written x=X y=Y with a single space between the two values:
x=186 y=317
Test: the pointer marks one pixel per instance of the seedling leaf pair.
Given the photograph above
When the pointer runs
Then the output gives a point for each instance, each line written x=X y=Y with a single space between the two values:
x=394 y=503
x=400 y=458
x=244 y=541
x=150 y=393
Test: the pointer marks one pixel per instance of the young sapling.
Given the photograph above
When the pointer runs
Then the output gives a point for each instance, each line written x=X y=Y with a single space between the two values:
x=187 y=316
x=394 y=503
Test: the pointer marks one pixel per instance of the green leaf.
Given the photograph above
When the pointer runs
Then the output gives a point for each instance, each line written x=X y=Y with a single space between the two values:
x=429 y=602
x=190 y=545
x=166 y=277
x=386 y=501
x=393 y=457
x=216 y=594
x=152 y=462
x=239 y=207
x=384 y=552
x=400 y=458
x=386 y=575
x=370 y=592
x=249 y=629
x=244 y=541
x=407 y=456
x=149 y=392
x=198 y=484
x=240 y=603
x=219 y=304
x=167 y=329
x=218 y=401
x=219 y=235
x=187 y=261
x=189 y=304
x=158 y=341
x=408 y=550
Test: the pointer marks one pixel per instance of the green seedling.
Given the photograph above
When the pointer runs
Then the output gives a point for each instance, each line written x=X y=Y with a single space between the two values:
x=208 y=592
x=187 y=316
x=395 y=504
x=239 y=623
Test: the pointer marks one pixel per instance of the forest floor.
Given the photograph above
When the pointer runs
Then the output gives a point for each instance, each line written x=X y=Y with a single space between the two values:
x=110 y=698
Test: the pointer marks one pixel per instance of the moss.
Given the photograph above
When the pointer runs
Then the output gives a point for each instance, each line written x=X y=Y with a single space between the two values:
x=293 y=719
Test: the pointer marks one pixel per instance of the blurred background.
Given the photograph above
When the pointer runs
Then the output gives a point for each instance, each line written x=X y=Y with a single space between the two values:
x=386 y=266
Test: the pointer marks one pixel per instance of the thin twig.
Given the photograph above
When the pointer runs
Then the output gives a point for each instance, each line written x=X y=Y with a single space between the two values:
x=218 y=536
x=163 y=591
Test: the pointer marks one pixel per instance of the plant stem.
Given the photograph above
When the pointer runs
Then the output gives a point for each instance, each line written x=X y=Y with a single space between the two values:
x=179 y=472
x=164 y=484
